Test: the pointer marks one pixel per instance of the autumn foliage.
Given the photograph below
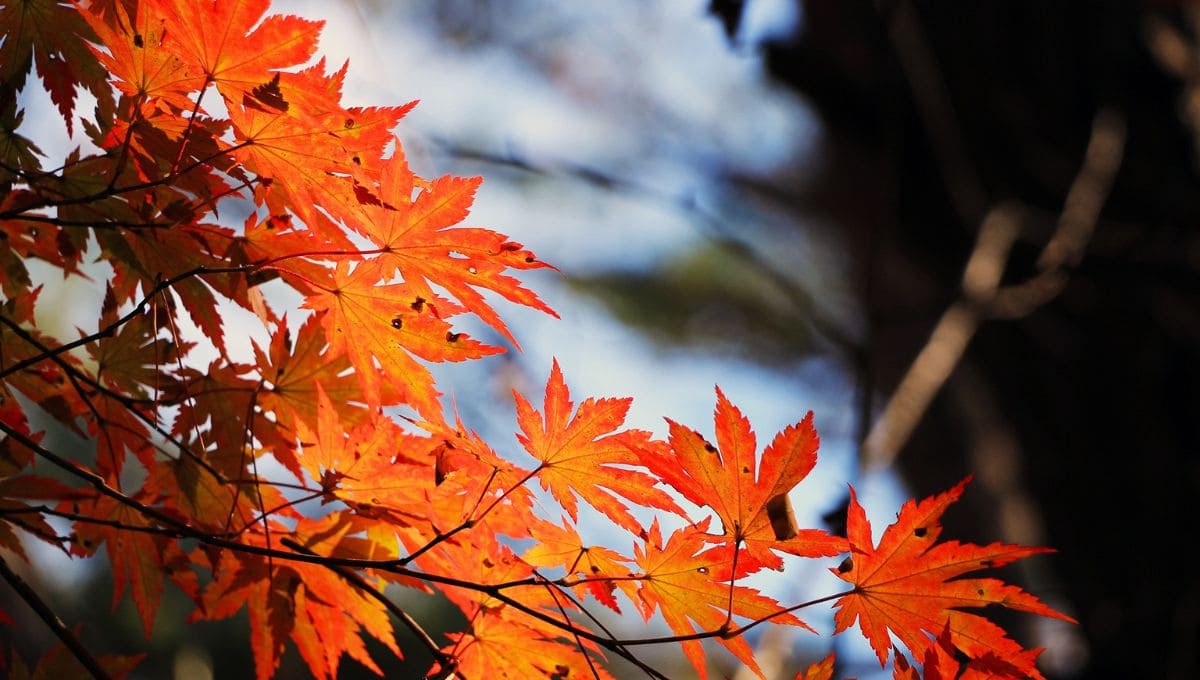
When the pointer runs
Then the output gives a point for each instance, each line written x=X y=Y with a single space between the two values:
x=201 y=105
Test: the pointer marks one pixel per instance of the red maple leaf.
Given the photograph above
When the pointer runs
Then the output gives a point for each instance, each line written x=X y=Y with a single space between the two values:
x=754 y=509
x=581 y=454
x=908 y=585
x=684 y=580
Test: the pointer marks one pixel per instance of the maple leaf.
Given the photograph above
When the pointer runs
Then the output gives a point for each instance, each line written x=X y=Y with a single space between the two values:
x=44 y=384
x=193 y=494
x=478 y=557
x=603 y=570
x=139 y=559
x=940 y=663
x=117 y=430
x=17 y=152
x=232 y=44
x=366 y=467
x=294 y=369
x=909 y=584
x=579 y=454
x=417 y=239
x=14 y=511
x=319 y=610
x=498 y=648
x=215 y=407
x=682 y=580
x=755 y=511
x=368 y=321
x=279 y=244
x=818 y=670
x=52 y=35
x=135 y=55
x=308 y=151
x=129 y=359
x=143 y=258
x=472 y=481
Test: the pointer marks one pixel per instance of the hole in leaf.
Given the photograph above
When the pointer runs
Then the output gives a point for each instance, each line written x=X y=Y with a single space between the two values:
x=137 y=40
x=397 y=323
x=702 y=570
x=920 y=532
x=846 y=565
x=418 y=304
x=452 y=336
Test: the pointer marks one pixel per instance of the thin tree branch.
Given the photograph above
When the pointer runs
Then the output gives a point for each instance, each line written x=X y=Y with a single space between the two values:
x=984 y=298
x=55 y=624
x=618 y=647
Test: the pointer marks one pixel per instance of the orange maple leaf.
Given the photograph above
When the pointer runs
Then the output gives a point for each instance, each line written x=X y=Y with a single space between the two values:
x=135 y=55
x=500 y=648
x=683 y=580
x=323 y=613
x=603 y=570
x=417 y=238
x=311 y=152
x=376 y=468
x=140 y=559
x=371 y=321
x=579 y=454
x=818 y=670
x=231 y=44
x=754 y=510
x=295 y=366
x=904 y=585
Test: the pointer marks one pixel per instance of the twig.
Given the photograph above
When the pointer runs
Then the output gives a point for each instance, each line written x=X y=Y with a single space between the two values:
x=984 y=298
x=47 y=615
x=617 y=646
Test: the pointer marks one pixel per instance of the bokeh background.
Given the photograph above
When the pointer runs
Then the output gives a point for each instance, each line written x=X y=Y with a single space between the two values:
x=782 y=197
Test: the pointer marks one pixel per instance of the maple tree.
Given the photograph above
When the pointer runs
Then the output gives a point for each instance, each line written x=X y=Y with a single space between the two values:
x=203 y=103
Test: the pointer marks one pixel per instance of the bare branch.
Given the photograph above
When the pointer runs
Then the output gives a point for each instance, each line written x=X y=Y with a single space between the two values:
x=55 y=624
x=984 y=298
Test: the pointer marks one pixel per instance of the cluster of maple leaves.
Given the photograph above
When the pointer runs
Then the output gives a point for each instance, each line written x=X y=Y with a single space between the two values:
x=201 y=103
